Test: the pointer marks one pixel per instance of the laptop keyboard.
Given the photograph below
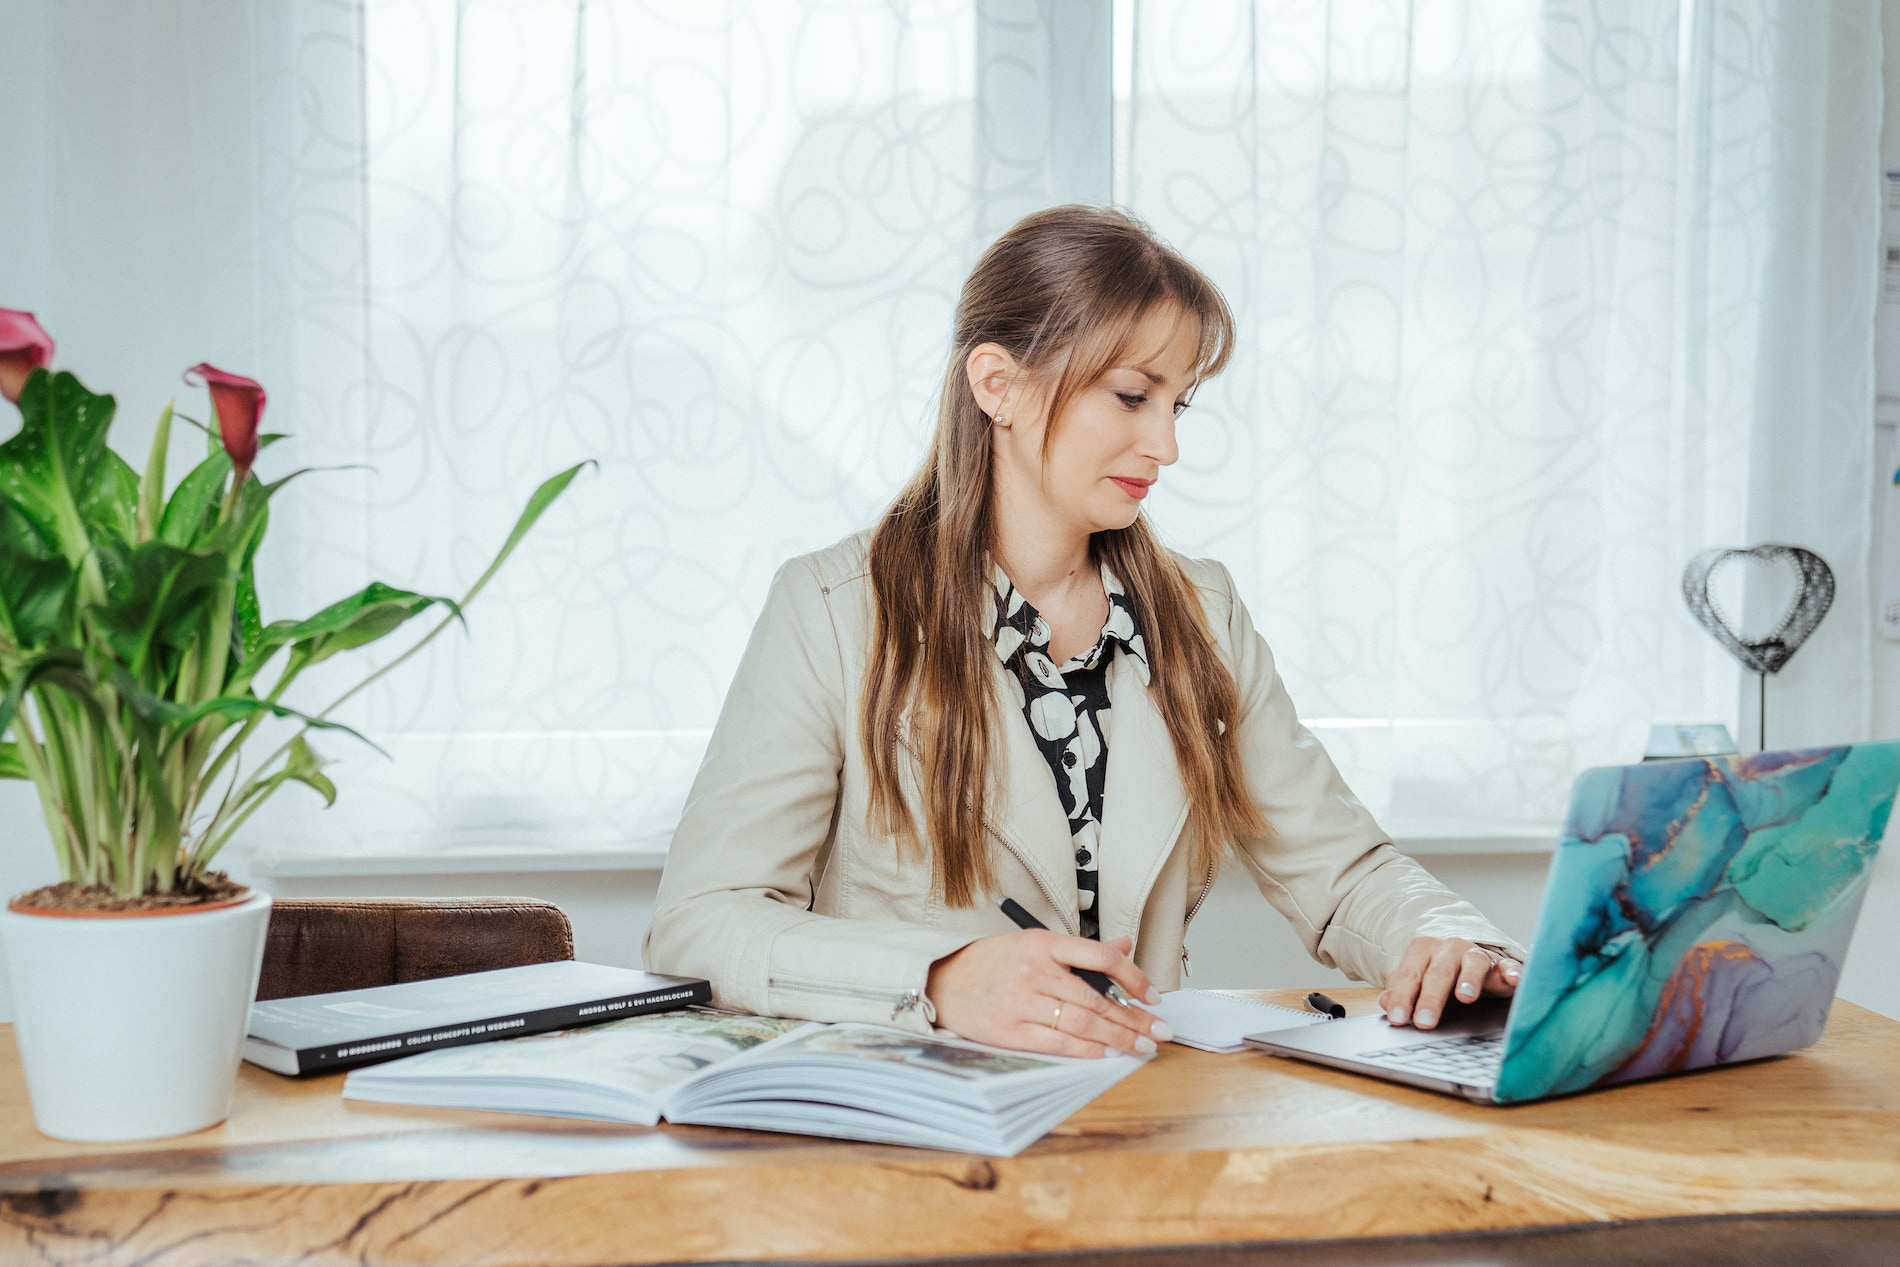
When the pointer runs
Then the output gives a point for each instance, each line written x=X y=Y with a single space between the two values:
x=1472 y=1059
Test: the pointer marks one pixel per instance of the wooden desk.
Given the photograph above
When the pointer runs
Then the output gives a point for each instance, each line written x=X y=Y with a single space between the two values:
x=1193 y=1149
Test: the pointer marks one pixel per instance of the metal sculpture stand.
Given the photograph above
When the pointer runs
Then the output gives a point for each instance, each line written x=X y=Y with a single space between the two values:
x=1814 y=594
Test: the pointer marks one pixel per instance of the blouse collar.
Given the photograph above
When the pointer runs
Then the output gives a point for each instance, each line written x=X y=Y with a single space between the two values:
x=1016 y=629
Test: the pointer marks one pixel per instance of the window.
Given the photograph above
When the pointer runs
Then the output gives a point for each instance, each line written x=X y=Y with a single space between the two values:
x=1500 y=270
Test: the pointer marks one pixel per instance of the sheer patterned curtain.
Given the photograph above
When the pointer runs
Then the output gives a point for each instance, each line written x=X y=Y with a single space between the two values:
x=1538 y=300
x=713 y=248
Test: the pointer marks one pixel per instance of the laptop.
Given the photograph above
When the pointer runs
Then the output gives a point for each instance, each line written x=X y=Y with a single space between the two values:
x=1697 y=913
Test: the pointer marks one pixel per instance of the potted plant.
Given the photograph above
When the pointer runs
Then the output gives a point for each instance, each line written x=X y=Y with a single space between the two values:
x=144 y=696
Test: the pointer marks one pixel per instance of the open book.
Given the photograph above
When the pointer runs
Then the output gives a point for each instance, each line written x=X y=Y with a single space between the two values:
x=762 y=1073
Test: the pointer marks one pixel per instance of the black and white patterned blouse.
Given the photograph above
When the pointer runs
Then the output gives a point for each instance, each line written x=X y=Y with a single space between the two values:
x=1067 y=708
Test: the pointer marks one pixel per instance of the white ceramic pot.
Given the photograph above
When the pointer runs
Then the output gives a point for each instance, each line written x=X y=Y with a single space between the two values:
x=131 y=1026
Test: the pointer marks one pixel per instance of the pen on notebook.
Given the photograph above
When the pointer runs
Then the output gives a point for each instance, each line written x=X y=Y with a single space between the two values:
x=1320 y=1003
x=1097 y=980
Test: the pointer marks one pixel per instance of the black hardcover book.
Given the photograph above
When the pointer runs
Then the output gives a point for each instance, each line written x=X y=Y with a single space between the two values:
x=322 y=1033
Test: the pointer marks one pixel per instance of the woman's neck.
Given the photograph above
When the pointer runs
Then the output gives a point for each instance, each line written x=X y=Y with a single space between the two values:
x=1052 y=570
x=1041 y=557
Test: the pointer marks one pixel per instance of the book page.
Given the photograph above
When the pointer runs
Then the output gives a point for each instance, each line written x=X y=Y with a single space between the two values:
x=644 y=1055
x=951 y=1059
x=869 y=1082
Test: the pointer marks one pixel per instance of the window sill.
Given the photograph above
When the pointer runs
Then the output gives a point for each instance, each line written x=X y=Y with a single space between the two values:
x=1466 y=840
x=425 y=857
x=529 y=854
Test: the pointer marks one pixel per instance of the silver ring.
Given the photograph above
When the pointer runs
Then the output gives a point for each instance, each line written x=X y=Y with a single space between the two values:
x=1056 y=1024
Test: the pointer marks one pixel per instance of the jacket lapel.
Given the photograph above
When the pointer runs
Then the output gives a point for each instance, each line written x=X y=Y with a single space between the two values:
x=1143 y=804
x=1027 y=814
x=1024 y=811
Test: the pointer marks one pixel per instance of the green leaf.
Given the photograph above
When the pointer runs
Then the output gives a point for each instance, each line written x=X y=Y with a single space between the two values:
x=193 y=509
x=239 y=536
x=247 y=631
x=247 y=617
x=152 y=486
x=155 y=595
x=177 y=721
x=354 y=622
x=307 y=768
x=19 y=534
x=361 y=618
x=544 y=496
x=147 y=707
x=36 y=583
x=36 y=597
x=112 y=502
x=57 y=470
x=264 y=440
x=60 y=660
x=244 y=707
x=11 y=767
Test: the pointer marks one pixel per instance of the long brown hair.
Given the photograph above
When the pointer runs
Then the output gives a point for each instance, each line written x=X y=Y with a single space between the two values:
x=1063 y=291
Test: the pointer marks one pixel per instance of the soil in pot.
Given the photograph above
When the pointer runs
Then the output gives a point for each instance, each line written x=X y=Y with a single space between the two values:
x=211 y=889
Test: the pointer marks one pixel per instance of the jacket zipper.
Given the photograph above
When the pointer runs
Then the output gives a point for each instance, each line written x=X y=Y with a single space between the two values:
x=1212 y=870
x=1002 y=840
x=909 y=1000
x=1049 y=897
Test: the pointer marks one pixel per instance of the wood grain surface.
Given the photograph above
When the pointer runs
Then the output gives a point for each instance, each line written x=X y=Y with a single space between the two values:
x=1194 y=1148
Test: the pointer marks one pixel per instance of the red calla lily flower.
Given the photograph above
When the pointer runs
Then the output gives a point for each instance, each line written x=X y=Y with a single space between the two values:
x=24 y=347
x=239 y=402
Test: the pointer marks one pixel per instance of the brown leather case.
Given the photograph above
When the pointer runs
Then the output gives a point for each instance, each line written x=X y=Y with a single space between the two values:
x=317 y=945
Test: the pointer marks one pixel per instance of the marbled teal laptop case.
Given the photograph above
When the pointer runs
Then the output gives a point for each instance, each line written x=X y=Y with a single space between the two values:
x=1697 y=913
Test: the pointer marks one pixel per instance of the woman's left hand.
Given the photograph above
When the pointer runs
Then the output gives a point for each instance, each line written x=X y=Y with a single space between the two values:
x=1432 y=966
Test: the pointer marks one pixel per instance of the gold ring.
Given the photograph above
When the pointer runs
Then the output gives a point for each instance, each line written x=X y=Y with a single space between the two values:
x=1056 y=1024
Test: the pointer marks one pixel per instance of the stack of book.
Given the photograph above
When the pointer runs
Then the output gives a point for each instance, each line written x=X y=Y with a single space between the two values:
x=506 y=1041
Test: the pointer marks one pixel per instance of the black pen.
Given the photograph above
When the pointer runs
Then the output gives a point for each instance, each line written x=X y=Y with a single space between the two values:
x=1320 y=1003
x=1098 y=980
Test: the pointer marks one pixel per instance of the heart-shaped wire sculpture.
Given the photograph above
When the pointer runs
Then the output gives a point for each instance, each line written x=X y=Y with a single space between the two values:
x=1813 y=596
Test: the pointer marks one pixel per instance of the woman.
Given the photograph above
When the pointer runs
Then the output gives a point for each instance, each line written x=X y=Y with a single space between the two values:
x=1009 y=688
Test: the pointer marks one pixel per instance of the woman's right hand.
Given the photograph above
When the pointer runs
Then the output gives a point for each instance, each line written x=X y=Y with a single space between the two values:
x=1015 y=990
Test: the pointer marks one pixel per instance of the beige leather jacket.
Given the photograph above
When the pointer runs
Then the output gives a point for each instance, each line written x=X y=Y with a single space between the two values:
x=778 y=893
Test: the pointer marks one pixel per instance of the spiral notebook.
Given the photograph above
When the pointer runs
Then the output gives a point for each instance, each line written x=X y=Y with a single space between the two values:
x=1218 y=1022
